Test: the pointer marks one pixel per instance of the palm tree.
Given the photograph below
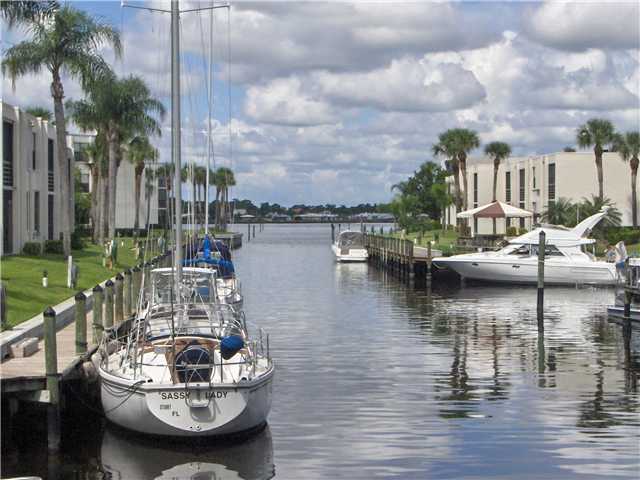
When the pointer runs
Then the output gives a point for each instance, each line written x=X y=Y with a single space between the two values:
x=27 y=12
x=39 y=112
x=149 y=177
x=200 y=179
x=96 y=152
x=464 y=141
x=595 y=204
x=224 y=178
x=122 y=108
x=560 y=212
x=63 y=39
x=498 y=151
x=140 y=151
x=628 y=146
x=597 y=132
x=445 y=147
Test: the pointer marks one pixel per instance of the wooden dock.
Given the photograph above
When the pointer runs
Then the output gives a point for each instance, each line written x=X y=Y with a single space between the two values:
x=400 y=257
x=63 y=354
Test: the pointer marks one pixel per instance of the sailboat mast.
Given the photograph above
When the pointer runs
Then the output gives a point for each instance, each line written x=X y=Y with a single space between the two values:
x=209 y=141
x=175 y=129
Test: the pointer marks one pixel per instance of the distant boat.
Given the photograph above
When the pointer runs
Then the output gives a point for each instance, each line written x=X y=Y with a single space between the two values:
x=349 y=247
x=567 y=261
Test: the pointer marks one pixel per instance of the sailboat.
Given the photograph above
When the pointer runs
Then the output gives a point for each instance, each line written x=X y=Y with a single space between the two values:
x=186 y=365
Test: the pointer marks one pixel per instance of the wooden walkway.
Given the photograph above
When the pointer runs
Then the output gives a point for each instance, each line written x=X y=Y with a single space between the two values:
x=34 y=366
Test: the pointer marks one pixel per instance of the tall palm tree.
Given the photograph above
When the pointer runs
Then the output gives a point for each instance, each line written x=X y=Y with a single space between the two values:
x=62 y=40
x=200 y=178
x=140 y=151
x=96 y=152
x=122 y=108
x=224 y=178
x=628 y=146
x=498 y=151
x=446 y=148
x=597 y=132
x=24 y=13
x=464 y=141
x=595 y=204
x=149 y=177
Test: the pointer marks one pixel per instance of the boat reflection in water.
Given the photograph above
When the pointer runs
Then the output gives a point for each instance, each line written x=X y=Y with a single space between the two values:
x=125 y=457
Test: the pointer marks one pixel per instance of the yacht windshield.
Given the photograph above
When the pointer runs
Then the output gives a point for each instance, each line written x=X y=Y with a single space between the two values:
x=351 y=240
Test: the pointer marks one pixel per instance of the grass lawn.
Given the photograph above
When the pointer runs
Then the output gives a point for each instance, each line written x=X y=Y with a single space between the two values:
x=445 y=238
x=634 y=250
x=22 y=277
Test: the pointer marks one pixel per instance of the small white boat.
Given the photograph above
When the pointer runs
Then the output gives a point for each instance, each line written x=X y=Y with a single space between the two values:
x=187 y=366
x=633 y=275
x=567 y=261
x=349 y=247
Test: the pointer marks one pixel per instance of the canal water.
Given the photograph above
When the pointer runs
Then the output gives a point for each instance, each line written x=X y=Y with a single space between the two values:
x=378 y=380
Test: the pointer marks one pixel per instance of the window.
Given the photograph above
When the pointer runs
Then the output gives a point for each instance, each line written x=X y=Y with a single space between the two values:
x=507 y=187
x=50 y=217
x=79 y=154
x=533 y=177
x=552 y=182
x=84 y=182
x=549 y=251
x=36 y=211
x=50 y=157
x=33 y=153
x=7 y=154
x=475 y=189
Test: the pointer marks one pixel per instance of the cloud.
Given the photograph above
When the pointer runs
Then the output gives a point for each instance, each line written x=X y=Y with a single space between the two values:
x=283 y=102
x=405 y=85
x=579 y=26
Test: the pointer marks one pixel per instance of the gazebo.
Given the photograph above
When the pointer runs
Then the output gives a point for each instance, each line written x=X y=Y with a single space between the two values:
x=495 y=210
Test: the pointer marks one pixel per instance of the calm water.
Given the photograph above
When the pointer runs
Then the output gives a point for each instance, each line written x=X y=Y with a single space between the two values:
x=375 y=380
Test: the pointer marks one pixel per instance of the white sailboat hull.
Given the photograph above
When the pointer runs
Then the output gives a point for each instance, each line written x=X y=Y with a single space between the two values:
x=165 y=410
x=525 y=271
x=350 y=254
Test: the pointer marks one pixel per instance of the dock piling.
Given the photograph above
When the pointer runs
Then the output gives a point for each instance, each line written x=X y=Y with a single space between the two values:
x=136 y=282
x=429 y=265
x=108 y=304
x=540 y=309
x=81 y=323
x=98 y=298
x=51 y=369
x=118 y=302
x=127 y=292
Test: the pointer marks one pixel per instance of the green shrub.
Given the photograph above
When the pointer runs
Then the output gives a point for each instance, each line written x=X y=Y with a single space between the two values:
x=53 y=246
x=522 y=231
x=512 y=231
x=77 y=243
x=32 y=249
x=629 y=235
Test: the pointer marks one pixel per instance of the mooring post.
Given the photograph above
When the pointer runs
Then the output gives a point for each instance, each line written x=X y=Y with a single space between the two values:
x=254 y=231
x=248 y=232
x=98 y=298
x=81 y=323
x=51 y=369
x=127 y=292
x=428 y=265
x=137 y=281
x=333 y=233
x=108 y=304
x=541 y=249
x=411 y=270
x=119 y=314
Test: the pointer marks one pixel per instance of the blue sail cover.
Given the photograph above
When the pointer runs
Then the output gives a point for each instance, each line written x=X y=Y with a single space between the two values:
x=224 y=264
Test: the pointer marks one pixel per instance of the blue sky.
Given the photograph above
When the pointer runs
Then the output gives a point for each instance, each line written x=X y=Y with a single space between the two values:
x=335 y=102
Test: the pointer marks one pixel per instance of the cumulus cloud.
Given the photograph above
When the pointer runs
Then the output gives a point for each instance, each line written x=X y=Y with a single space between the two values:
x=405 y=85
x=283 y=102
x=584 y=25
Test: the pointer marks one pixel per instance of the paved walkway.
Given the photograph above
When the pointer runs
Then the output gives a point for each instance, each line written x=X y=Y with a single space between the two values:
x=33 y=366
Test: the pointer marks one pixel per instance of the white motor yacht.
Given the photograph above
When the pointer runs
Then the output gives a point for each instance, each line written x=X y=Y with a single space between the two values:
x=567 y=261
x=349 y=247
x=187 y=366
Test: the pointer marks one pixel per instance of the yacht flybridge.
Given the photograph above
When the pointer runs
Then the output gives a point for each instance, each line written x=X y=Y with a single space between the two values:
x=186 y=367
x=567 y=260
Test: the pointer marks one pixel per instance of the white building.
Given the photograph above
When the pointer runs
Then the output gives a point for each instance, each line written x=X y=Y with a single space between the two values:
x=532 y=182
x=31 y=209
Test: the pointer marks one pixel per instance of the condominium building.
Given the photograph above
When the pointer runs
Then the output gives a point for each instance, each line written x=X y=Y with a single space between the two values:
x=533 y=182
x=31 y=208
